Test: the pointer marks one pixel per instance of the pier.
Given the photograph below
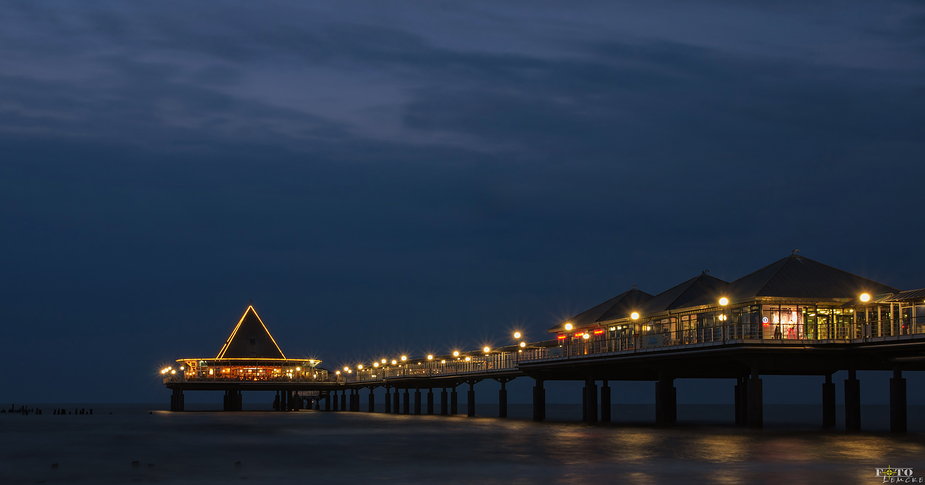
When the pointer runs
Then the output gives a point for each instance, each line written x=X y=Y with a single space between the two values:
x=793 y=317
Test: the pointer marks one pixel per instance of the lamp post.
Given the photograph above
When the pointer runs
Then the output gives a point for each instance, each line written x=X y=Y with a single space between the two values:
x=723 y=302
x=864 y=299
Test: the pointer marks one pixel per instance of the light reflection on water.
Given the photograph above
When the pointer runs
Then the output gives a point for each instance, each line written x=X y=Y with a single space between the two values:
x=334 y=448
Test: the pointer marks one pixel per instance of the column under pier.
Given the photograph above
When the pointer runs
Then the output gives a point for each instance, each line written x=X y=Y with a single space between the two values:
x=828 y=403
x=852 y=402
x=539 y=401
x=898 y=422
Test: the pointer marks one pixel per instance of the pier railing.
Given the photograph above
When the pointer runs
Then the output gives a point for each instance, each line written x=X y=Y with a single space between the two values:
x=583 y=345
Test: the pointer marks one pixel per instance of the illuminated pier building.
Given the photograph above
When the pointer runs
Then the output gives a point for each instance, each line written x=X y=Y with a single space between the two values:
x=250 y=359
x=795 y=316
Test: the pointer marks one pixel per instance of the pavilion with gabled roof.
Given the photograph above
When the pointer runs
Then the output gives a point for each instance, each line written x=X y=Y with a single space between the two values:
x=249 y=354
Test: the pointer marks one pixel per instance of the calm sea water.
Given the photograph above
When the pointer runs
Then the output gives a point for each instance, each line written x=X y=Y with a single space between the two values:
x=335 y=448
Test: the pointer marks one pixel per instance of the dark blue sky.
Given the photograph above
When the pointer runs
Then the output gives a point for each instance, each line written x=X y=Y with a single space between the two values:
x=414 y=177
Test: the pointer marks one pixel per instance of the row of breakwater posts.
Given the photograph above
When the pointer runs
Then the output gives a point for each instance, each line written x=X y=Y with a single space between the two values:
x=795 y=317
x=26 y=410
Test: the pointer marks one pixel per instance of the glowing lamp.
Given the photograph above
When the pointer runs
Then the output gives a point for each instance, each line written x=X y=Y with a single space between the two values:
x=865 y=297
x=394 y=362
x=635 y=316
x=455 y=353
x=375 y=364
x=383 y=361
x=346 y=369
x=523 y=344
x=467 y=359
x=404 y=358
x=516 y=334
x=360 y=366
x=585 y=336
x=299 y=368
x=338 y=372
x=724 y=301
x=568 y=326
x=430 y=357
x=599 y=331
x=486 y=349
x=443 y=361
x=563 y=336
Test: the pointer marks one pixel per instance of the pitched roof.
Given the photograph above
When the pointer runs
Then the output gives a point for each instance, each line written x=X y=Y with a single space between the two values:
x=250 y=338
x=699 y=290
x=617 y=304
x=800 y=277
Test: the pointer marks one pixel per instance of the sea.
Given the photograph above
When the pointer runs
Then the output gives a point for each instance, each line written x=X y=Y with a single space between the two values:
x=139 y=443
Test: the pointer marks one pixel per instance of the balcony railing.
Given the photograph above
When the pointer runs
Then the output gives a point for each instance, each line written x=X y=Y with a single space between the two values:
x=600 y=345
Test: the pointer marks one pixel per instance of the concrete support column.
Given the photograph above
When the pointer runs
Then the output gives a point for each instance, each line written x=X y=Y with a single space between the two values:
x=470 y=402
x=327 y=402
x=356 y=400
x=372 y=400
x=396 y=402
x=665 y=395
x=828 y=403
x=454 y=402
x=406 y=408
x=755 y=401
x=539 y=401
x=417 y=401
x=852 y=402
x=737 y=392
x=502 y=400
x=605 y=403
x=239 y=401
x=176 y=400
x=276 y=402
x=897 y=402
x=590 y=400
x=343 y=400
x=742 y=409
x=444 y=405
x=430 y=401
x=388 y=401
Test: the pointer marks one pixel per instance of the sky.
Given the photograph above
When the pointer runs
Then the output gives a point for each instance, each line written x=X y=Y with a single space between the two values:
x=414 y=177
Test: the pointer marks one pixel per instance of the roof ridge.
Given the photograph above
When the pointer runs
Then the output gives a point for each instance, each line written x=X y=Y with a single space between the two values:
x=768 y=281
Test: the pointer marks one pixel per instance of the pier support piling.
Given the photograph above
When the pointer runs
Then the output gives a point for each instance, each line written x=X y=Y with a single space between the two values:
x=539 y=401
x=417 y=401
x=388 y=401
x=406 y=408
x=502 y=397
x=898 y=402
x=828 y=403
x=665 y=399
x=755 y=401
x=343 y=400
x=396 y=402
x=444 y=405
x=430 y=401
x=470 y=402
x=372 y=399
x=454 y=402
x=176 y=400
x=852 y=402
x=605 y=403
x=327 y=401
x=590 y=401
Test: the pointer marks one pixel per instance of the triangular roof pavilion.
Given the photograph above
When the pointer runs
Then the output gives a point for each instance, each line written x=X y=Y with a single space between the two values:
x=250 y=339
x=619 y=304
x=800 y=277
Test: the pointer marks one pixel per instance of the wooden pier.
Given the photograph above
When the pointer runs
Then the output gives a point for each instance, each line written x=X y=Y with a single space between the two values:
x=794 y=317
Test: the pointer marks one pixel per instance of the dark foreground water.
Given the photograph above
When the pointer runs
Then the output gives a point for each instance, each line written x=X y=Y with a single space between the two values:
x=334 y=448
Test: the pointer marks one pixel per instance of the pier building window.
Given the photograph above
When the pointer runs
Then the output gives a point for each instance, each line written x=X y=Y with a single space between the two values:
x=782 y=322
